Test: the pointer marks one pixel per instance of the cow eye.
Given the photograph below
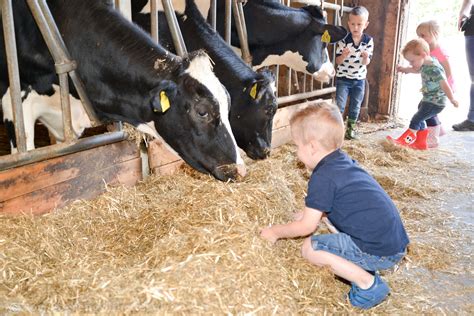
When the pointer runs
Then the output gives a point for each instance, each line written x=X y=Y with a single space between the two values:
x=203 y=113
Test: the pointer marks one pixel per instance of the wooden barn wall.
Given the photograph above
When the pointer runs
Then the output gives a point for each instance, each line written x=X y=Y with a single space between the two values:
x=384 y=28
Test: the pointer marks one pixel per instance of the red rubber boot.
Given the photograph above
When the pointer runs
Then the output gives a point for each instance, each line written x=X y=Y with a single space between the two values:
x=407 y=138
x=420 y=141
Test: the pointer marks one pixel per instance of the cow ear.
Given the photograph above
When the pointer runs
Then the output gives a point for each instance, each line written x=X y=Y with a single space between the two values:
x=163 y=96
x=332 y=34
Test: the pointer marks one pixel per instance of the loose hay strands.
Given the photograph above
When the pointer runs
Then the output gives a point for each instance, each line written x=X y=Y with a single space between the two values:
x=188 y=244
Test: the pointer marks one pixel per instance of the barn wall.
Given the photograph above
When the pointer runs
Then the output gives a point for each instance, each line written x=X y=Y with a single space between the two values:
x=384 y=28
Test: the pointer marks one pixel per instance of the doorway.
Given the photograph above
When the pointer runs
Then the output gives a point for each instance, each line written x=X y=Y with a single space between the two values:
x=446 y=14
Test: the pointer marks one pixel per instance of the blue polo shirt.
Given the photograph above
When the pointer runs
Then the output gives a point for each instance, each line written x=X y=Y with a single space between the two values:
x=356 y=205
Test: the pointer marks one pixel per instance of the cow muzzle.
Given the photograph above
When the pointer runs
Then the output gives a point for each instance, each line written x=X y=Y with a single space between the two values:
x=325 y=73
x=230 y=172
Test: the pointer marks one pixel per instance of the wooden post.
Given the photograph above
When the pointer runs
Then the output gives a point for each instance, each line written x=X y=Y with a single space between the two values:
x=384 y=28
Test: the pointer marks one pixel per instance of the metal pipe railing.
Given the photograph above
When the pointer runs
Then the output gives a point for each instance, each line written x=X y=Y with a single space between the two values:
x=13 y=73
x=241 y=30
x=306 y=95
x=228 y=21
x=213 y=14
x=178 y=40
x=52 y=151
x=154 y=20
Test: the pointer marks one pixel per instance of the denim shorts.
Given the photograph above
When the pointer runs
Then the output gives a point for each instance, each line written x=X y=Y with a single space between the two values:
x=341 y=245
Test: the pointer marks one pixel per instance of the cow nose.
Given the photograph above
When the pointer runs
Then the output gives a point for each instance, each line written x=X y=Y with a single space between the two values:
x=242 y=170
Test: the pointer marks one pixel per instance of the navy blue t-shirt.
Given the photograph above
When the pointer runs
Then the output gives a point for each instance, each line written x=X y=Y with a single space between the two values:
x=356 y=205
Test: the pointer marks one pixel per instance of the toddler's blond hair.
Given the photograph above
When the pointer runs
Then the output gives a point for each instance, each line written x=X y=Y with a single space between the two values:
x=417 y=47
x=322 y=123
x=430 y=26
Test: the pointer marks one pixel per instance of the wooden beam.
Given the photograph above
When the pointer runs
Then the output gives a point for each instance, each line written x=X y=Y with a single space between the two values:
x=43 y=186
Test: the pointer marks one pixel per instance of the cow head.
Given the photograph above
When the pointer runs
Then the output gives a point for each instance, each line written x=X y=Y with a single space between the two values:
x=252 y=120
x=306 y=50
x=191 y=115
x=323 y=34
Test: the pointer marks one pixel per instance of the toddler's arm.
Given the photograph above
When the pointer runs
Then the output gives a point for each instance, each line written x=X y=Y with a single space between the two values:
x=407 y=70
x=449 y=93
x=302 y=227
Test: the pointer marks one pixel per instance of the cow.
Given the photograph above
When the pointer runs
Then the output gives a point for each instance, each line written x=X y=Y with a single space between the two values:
x=278 y=34
x=130 y=78
x=253 y=101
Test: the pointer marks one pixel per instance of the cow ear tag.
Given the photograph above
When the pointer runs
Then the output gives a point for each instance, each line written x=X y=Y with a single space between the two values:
x=164 y=101
x=253 y=91
x=326 y=38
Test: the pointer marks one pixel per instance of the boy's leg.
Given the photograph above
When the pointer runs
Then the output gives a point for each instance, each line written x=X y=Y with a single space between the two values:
x=346 y=260
x=425 y=111
x=342 y=91
x=356 y=97
x=340 y=266
x=356 y=94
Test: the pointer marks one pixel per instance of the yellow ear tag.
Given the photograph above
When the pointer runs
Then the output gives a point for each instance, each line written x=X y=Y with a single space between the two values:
x=326 y=38
x=253 y=91
x=165 y=102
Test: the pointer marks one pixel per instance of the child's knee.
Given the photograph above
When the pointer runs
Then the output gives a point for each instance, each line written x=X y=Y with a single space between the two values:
x=306 y=248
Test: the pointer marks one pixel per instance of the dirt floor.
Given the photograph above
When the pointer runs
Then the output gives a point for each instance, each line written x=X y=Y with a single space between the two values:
x=188 y=244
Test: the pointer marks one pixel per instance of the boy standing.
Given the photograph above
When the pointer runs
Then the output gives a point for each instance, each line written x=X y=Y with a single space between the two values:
x=371 y=234
x=353 y=54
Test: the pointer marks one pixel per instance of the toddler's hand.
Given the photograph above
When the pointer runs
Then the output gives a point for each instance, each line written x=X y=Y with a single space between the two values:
x=364 y=54
x=455 y=103
x=401 y=69
x=267 y=234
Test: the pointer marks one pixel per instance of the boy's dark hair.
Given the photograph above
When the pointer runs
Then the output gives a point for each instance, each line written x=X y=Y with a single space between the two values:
x=360 y=10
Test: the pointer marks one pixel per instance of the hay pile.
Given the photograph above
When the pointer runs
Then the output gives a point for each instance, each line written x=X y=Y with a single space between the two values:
x=187 y=243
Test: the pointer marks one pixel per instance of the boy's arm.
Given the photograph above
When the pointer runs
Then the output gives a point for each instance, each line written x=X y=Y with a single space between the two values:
x=365 y=58
x=340 y=59
x=449 y=93
x=367 y=54
x=303 y=227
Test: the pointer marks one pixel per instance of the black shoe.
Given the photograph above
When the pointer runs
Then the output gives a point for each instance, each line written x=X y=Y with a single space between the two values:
x=465 y=126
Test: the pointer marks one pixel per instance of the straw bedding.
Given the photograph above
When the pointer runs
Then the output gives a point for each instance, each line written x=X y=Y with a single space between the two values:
x=188 y=244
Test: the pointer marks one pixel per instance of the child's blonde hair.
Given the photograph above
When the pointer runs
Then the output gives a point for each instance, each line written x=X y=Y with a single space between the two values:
x=360 y=11
x=430 y=26
x=322 y=123
x=417 y=47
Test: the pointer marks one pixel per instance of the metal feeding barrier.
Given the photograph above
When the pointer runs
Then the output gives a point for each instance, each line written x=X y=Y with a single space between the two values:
x=66 y=68
x=310 y=87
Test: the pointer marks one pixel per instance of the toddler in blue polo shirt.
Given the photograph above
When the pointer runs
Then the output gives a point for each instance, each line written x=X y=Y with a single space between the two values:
x=370 y=234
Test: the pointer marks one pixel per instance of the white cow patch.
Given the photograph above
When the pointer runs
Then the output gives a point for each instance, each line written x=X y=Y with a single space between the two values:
x=47 y=109
x=296 y=62
x=200 y=69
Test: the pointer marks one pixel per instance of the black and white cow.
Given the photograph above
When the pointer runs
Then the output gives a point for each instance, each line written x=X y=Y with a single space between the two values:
x=253 y=101
x=130 y=78
x=278 y=34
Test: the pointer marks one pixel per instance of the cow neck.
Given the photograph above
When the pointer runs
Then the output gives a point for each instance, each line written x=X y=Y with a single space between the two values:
x=227 y=63
x=123 y=39
x=274 y=14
